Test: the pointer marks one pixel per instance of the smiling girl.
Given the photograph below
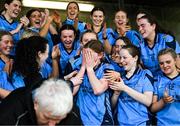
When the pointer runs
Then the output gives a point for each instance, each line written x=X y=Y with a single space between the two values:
x=12 y=9
x=166 y=99
x=133 y=93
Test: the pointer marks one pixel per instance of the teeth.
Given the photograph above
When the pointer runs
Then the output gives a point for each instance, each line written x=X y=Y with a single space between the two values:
x=37 y=22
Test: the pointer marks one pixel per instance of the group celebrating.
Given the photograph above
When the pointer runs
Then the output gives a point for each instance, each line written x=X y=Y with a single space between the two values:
x=70 y=72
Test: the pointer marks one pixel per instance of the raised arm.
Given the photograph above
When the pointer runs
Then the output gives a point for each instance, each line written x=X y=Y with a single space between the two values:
x=98 y=86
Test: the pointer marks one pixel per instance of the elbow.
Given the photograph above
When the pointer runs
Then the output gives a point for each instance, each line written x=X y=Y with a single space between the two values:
x=98 y=92
x=148 y=104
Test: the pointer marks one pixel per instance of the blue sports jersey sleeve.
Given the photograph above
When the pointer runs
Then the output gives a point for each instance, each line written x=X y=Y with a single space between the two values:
x=109 y=33
x=172 y=43
x=155 y=87
x=148 y=82
x=134 y=37
x=2 y=64
x=45 y=70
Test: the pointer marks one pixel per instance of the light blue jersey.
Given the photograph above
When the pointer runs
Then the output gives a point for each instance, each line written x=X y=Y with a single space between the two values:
x=81 y=27
x=170 y=113
x=65 y=56
x=5 y=25
x=109 y=34
x=17 y=80
x=5 y=82
x=76 y=62
x=45 y=70
x=130 y=111
x=132 y=35
x=93 y=107
x=2 y=65
x=149 y=55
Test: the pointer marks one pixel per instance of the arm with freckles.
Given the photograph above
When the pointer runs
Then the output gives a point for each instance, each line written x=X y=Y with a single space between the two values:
x=98 y=86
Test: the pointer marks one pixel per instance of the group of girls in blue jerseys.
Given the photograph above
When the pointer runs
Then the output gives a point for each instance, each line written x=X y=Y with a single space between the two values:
x=118 y=77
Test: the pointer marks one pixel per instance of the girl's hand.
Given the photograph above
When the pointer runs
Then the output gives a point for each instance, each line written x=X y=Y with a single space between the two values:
x=76 y=23
x=123 y=29
x=104 y=30
x=8 y=66
x=89 y=59
x=55 y=52
x=117 y=85
x=57 y=18
x=69 y=76
x=167 y=98
x=112 y=75
x=76 y=80
x=24 y=20
x=88 y=25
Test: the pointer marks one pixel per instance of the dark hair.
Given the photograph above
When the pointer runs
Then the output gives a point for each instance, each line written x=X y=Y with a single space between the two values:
x=71 y=3
x=28 y=33
x=142 y=11
x=28 y=14
x=87 y=31
x=168 y=51
x=125 y=39
x=3 y=32
x=67 y=27
x=152 y=20
x=95 y=45
x=123 y=10
x=97 y=9
x=133 y=51
x=25 y=62
x=10 y=1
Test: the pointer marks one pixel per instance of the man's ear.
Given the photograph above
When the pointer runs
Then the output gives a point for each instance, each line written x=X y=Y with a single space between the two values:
x=35 y=105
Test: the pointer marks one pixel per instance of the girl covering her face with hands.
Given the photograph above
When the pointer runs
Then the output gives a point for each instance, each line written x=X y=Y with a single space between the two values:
x=93 y=96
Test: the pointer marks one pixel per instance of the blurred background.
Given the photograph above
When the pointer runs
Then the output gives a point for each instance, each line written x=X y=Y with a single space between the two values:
x=167 y=12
